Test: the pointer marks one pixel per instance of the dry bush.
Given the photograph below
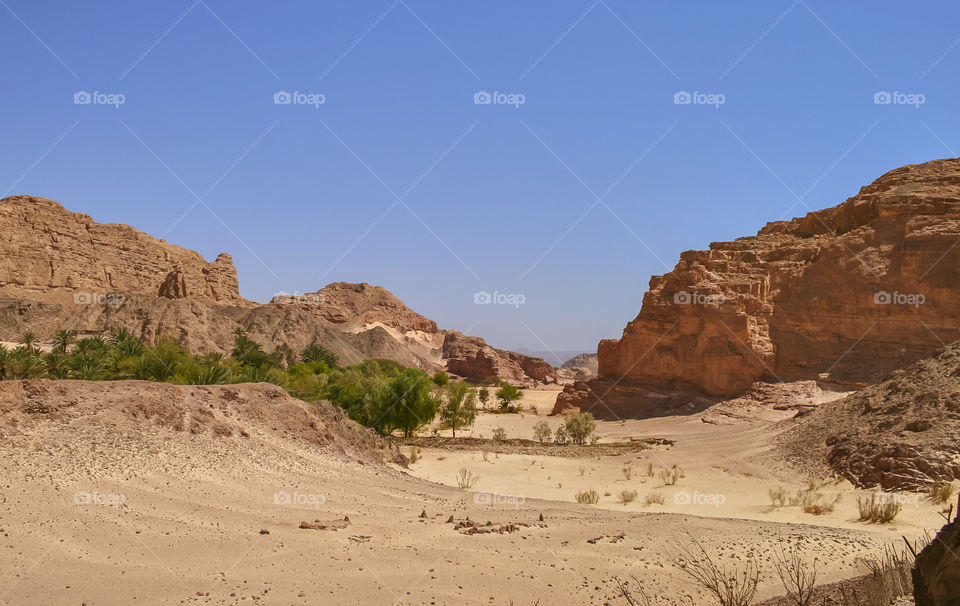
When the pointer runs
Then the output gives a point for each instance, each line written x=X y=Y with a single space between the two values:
x=499 y=434
x=466 y=478
x=941 y=491
x=641 y=599
x=731 y=587
x=588 y=497
x=627 y=471
x=813 y=501
x=649 y=470
x=670 y=476
x=582 y=470
x=878 y=507
x=798 y=577
x=778 y=497
x=651 y=498
x=414 y=454
x=628 y=496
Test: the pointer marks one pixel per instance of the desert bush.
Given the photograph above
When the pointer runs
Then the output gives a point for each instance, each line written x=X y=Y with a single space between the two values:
x=499 y=434
x=582 y=470
x=466 y=478
x=414 y=454
x=587 y=497
x=941 y=491
x=778 y=497
x=649 y=470
x=797 y=576
x=731 y=587
x=628 y=496
x=459 y=406
x=561 y=438
x=813 y=501
x=652 y=498
x=670 y=476
x=878 y=507
x=890 y=575
x=627 y=472
x=818 y=503
x=541 y=432
x=579 y=427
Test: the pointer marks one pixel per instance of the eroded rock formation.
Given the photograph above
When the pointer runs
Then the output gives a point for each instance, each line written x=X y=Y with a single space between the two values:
x=50 y=254
x=845 y=294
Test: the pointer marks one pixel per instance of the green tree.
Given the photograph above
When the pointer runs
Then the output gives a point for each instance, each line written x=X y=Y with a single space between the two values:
x=484 y=395
x=318 y=353
x=459 y=409
x=29 y=340
x=579 y=427
x=62 y=341
x=507 y=395
x=440 y=379
x=409 y=401
x=541 y=432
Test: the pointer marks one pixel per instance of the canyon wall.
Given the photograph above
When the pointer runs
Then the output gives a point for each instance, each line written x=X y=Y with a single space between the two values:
x=845 y=294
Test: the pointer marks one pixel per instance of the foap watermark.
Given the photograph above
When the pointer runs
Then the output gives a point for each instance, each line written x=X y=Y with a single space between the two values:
x=883 y=297
x=114 y=300
x=485 y=297
x=682 y=97
x=298 y=298
x=900 y=498
x=497 y=98
x=82 y=97
x=98 y=498
x=282 y=97
x=698 y=298
x=699 y=498
x=301 y=499
x=495 y=498
x=883 y=97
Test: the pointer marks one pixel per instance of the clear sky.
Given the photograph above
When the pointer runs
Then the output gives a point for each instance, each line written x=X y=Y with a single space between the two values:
x=577 y=182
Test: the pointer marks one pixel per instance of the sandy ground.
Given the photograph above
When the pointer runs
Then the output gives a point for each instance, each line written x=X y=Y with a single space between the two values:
x=135 y=514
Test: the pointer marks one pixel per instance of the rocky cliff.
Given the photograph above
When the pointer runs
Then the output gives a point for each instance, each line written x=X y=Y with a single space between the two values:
x=61 y=270
x=845 y=294
x=50 y=254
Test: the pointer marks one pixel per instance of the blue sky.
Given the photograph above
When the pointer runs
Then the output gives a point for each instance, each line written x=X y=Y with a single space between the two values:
x=572 y=198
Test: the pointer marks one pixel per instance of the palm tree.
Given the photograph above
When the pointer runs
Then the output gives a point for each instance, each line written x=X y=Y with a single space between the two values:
x=28 y=340
x=120 y=335
x=4 y=359
x=62 y=341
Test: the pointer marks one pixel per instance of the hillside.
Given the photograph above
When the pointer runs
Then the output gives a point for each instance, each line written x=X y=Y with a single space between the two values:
x=61 y=270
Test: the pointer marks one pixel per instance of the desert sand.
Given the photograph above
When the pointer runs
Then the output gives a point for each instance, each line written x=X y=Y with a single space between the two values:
x=106 y=503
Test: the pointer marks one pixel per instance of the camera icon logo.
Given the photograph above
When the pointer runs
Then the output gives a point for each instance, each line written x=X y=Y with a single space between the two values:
x=882 y=298
x=282 y=498
x=682 y=98
x=82 y=498
x=682 y=498
x=82 y=97
x=482 y=298
x=482 y=98
x=282 y=98
x=882 y=98
x=482 y=498
x=82 y=298
x=682 y=298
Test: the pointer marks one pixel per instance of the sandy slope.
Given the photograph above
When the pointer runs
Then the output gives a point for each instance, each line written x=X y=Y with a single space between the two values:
x=193 y=501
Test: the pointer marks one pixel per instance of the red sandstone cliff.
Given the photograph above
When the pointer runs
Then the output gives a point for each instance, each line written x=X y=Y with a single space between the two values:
x=846 y=294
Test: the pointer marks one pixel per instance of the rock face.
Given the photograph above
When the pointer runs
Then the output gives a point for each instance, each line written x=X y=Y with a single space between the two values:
x=50 y=254
x=900 y=434
x=845 y=294
x=581 y=367
x=62 y=271
x=471 y=357
x=936 y=574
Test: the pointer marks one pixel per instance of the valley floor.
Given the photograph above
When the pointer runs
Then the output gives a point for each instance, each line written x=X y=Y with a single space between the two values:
x=125 y=516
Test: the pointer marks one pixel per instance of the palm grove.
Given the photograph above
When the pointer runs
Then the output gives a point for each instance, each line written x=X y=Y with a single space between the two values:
x=380 y=394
